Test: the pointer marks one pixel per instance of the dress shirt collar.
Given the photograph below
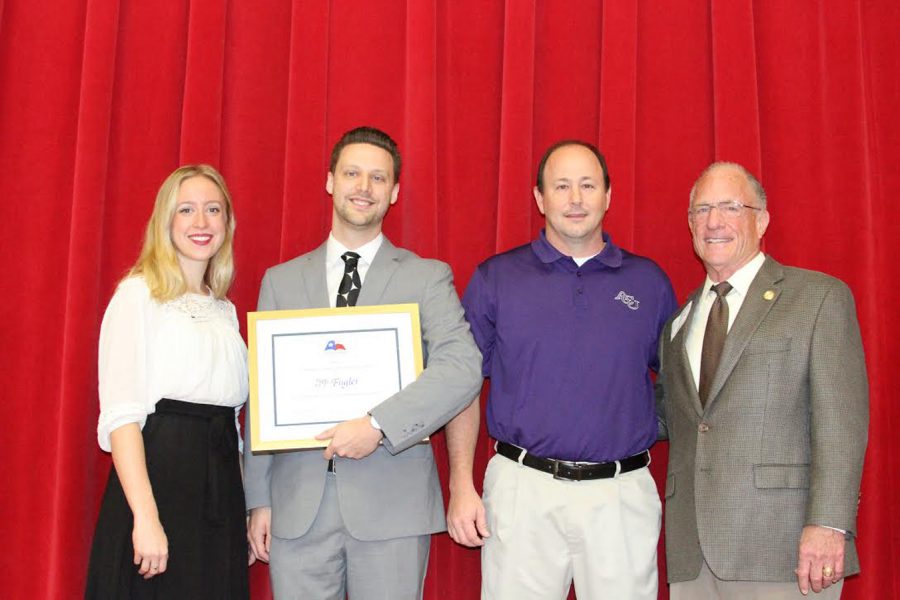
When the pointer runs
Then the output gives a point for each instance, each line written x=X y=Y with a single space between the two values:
x=334 y=249
x=610 y=256
x=742 y=278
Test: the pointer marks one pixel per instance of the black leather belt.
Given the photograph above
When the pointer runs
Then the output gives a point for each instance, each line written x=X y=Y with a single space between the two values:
x=573 y=471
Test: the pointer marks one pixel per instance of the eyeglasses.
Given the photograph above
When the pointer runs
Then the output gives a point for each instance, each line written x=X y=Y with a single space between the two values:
x=729 y=209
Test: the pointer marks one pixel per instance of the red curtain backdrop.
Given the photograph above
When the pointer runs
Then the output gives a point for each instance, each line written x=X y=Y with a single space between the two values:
x=100 y=100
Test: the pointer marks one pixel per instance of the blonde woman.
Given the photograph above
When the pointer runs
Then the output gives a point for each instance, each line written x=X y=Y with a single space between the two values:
x=172 y=376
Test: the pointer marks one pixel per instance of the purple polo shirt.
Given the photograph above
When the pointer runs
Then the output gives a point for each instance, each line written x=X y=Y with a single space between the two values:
x=568 y=349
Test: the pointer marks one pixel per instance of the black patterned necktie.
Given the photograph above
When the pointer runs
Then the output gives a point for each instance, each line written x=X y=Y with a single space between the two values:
x=348 y=291
x=713 y=339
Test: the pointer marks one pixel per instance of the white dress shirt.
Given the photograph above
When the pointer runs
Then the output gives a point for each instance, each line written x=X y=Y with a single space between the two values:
x=740 y=282
x=334 y=264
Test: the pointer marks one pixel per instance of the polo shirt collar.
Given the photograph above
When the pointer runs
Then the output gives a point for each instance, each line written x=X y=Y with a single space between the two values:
x=610 y=256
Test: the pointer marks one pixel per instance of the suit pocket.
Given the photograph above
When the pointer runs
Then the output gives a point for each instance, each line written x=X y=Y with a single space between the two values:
x=670 y=486
x=768 y=346
x=781 y=476
x=420 y=451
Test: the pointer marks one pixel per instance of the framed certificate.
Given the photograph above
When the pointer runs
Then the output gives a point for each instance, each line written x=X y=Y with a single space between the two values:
x=311 y=369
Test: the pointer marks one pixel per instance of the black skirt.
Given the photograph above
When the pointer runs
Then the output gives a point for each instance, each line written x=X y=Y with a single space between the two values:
x=192 y=460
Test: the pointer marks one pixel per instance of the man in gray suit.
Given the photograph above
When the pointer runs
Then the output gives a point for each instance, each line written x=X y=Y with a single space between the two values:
x=358 y=518
x=765 y=402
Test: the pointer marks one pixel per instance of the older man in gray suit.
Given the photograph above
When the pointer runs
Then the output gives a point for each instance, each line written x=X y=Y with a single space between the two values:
x=765 y=400
x=358 y=518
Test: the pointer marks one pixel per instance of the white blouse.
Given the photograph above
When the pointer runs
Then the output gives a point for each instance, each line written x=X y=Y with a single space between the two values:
x=186 y=349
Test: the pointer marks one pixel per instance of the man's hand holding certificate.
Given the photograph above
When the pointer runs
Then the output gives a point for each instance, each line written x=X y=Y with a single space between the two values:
x=356 y=438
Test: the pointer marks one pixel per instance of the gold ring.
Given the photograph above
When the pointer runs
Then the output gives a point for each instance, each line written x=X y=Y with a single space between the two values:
x=827 y=571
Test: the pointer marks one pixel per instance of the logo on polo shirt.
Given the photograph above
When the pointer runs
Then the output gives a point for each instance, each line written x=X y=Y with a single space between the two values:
x=333 y=345
x=628 y=300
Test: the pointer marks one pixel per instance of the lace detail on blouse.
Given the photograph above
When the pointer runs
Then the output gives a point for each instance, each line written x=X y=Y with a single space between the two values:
x=199 y=308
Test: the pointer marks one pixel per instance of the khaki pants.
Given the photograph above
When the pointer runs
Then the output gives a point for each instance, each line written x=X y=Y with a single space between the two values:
x=545 y=533
x=708 y=587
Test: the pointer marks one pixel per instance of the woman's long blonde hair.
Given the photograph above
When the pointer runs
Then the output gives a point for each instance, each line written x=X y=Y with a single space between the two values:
x=158 y=262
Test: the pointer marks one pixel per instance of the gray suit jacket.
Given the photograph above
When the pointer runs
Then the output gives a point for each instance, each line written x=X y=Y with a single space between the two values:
x=781 y=441
x=395 y=491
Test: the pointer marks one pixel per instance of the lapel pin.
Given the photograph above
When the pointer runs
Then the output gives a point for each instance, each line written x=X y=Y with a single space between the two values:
x=769 y=294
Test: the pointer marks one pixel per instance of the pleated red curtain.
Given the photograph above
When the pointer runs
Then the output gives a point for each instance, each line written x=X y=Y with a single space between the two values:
x=100 y=100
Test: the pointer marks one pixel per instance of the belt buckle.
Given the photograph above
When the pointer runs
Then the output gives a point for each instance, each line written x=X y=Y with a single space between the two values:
x=559 y=477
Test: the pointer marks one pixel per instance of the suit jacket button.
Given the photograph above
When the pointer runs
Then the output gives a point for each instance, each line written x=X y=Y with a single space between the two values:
x=702 y=427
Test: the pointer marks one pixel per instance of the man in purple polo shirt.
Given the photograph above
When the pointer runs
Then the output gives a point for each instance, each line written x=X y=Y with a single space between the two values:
x=568 y=328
